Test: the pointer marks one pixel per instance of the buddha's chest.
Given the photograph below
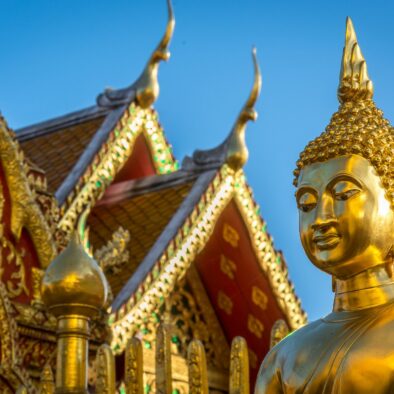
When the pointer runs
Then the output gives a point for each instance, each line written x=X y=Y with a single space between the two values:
x=343 y=358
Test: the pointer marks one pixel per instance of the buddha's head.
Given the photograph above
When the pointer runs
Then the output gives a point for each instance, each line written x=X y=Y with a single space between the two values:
x=345 y=179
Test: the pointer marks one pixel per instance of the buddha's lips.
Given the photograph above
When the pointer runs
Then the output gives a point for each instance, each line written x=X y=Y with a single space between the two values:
x=326 y=241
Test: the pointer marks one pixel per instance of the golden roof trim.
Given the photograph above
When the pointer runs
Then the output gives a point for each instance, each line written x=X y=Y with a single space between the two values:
x=111 y=157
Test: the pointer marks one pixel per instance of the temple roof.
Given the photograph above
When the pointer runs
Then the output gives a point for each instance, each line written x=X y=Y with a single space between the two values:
x=143 y=214
x=65 y=146
x=91 y=128
x=183 y=208
x=56 y=145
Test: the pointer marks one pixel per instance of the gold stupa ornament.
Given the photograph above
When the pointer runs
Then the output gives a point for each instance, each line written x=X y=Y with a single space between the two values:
x=74 y=289
x=358 y=127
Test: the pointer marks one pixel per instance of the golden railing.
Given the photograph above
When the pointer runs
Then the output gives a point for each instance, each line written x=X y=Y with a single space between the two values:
x=74 y=289
x=197 y=374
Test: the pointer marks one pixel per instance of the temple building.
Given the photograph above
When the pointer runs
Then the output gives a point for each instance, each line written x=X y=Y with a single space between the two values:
x=182 y=245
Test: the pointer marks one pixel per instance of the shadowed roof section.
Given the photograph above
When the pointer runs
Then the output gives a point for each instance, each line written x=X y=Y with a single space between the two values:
x=176 y=220
x=55 y=147
x=143 y=209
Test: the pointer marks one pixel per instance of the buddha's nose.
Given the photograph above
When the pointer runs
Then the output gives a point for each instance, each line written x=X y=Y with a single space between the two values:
x=324 y=213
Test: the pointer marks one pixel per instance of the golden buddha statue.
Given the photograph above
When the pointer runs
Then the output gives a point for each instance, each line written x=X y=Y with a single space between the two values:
x=345 y=196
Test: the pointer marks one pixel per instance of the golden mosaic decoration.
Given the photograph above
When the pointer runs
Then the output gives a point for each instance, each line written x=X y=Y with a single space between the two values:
x=11 y=370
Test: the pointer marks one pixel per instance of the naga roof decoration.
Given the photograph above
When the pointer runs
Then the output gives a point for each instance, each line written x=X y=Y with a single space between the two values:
x=119 y=117
x=145 y=90
x=233 y=150
x=190 y=228
x=237 y=151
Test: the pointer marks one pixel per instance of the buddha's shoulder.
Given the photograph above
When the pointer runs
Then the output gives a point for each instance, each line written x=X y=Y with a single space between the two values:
x=298 y=339
x=294 y=344
x=315 y=335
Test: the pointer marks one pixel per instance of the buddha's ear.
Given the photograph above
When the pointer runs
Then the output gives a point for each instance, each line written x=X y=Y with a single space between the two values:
x=390 y=263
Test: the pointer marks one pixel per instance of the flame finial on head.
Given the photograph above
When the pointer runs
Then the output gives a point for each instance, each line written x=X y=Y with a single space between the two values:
x=354 y=82
x=358 y=127
x=237 y=151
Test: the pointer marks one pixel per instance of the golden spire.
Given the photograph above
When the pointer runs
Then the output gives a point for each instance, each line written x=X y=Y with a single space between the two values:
x=237 y=151
x=354 y=83
x=147 y=85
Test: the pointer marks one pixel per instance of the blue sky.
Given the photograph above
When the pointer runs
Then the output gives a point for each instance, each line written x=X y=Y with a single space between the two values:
x=58 y=55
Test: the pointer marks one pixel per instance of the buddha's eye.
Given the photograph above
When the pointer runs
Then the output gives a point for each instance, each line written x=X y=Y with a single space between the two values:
x=343 y=190
x=306 y=201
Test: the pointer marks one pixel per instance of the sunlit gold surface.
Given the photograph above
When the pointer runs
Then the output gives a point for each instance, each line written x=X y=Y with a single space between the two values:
x=147 y=84
x=237 y=153
x=345 y=200
x=74 y=289
x=354 y=83
x=74 y=282
x=358 y=127
x=346 y=221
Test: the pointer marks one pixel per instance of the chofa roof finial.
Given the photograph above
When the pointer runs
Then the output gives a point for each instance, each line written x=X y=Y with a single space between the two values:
x=145 y=89
x=147 y=85
x=354 y=83
x=237 y=151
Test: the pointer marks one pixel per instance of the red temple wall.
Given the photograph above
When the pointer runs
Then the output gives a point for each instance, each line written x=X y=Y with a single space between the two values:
x=237 y=286
x=139 y=164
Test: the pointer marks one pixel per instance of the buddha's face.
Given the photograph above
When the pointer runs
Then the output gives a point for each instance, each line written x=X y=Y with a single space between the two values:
x=346 y=221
